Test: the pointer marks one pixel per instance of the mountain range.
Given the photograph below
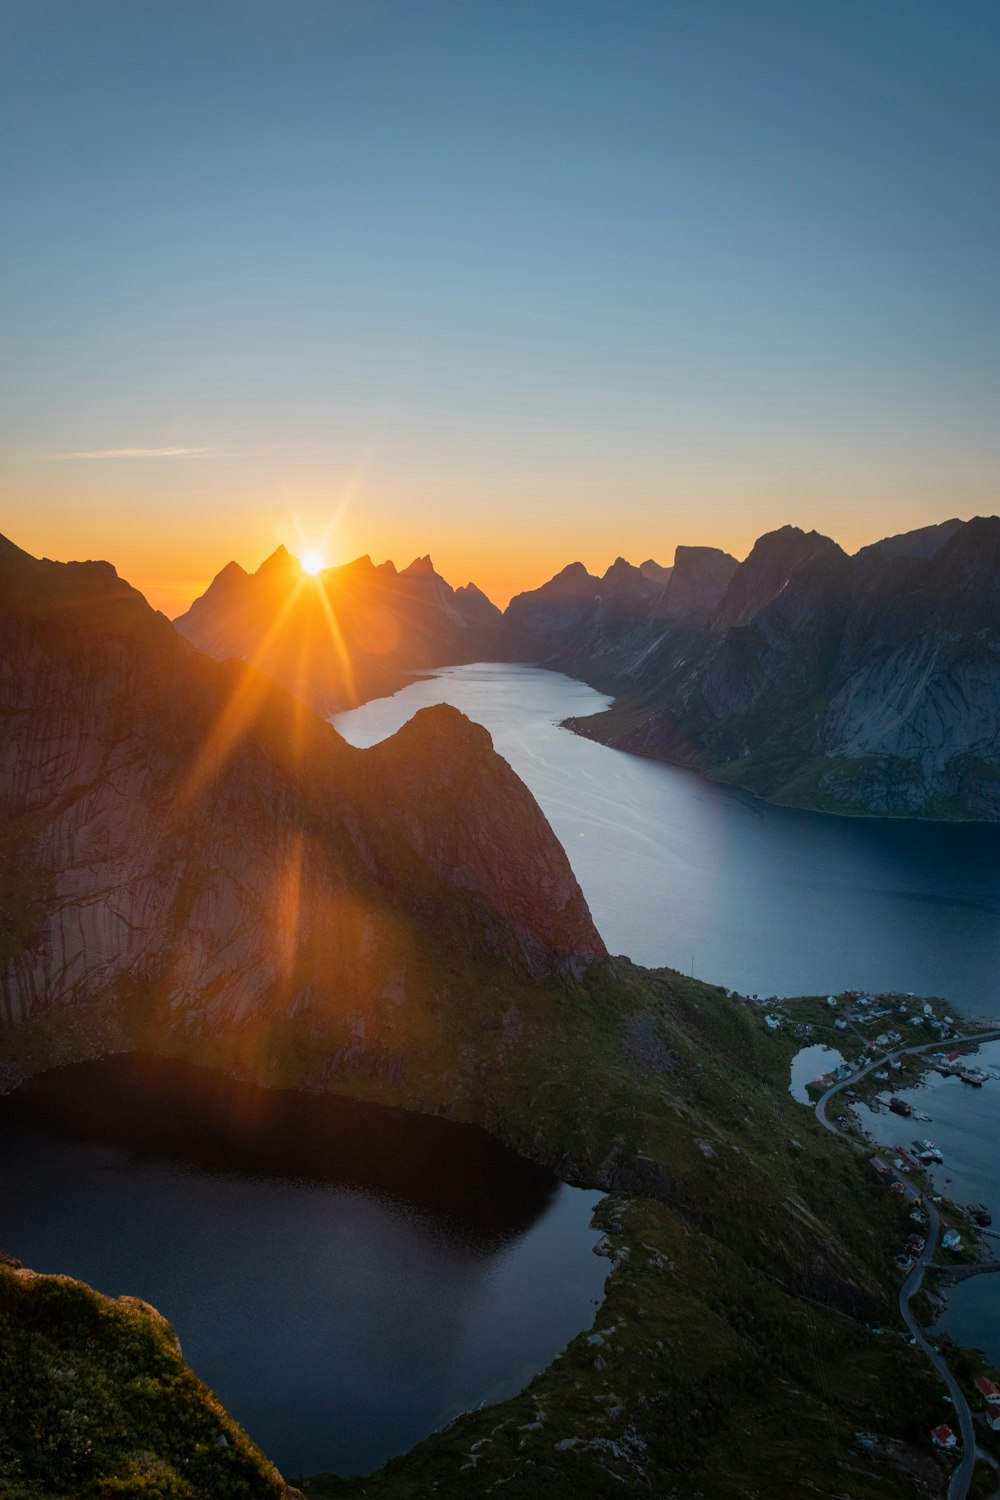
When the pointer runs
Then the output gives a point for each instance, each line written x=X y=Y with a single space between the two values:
x=346 y=635
x=864 y=684
x=194 y=864
x=857 y=684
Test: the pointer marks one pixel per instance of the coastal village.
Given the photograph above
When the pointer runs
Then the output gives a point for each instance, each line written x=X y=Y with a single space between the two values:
x=875 y=1049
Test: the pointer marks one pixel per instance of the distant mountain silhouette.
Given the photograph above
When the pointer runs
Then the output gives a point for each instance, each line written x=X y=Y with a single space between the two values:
x=599 y=628
x=867 y=683
x=350 y=633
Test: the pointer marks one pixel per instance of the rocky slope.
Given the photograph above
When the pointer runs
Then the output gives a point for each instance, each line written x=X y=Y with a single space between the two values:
x=177 y=826
x=348 y=634
x=864 y=684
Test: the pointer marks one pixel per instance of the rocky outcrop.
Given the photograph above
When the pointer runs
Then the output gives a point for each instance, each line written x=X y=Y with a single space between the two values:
x=868 y=684
x=193 y=833
x=350 y=633
x=655 y=572
x=698 y=582
x=771 y=566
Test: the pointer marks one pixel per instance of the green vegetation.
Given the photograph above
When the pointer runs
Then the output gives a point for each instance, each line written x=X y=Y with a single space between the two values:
x=698 y=1378
x=97 y=1403
x=751 y=1252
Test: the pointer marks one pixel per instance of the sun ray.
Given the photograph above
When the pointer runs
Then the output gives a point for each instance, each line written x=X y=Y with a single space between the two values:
x=340 y=645
x=238 y=710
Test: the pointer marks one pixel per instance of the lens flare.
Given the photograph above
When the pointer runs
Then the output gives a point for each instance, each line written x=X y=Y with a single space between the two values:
x=312 y=562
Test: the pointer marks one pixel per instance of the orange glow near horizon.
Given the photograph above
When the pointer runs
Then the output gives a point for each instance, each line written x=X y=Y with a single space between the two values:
x=251 y=687
x=172 y=558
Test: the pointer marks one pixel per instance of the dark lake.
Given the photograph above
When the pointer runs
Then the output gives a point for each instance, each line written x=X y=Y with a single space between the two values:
x=345 y=1277
x=765 y=900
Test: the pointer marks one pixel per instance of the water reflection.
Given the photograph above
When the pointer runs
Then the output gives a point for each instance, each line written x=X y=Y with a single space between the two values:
x=345 y=1277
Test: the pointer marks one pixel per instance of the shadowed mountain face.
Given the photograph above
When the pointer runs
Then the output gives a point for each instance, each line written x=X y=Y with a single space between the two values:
x=183 y=831
x=604 y=629
x=350 y=634
x=868 y=684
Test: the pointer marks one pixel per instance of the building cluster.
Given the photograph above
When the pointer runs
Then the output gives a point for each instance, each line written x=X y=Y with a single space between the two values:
x=991 y=1396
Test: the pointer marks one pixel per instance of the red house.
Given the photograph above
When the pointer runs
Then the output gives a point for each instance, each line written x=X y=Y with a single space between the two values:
x=944 y=1437
x=988 y=1391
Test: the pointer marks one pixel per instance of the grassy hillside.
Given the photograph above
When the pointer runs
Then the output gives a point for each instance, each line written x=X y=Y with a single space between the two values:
x=97 y=1403
x=750 y=1253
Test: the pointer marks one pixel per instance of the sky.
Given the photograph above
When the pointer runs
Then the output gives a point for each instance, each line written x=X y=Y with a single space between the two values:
x=512 y=282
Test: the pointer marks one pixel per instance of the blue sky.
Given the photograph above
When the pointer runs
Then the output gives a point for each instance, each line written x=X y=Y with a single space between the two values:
x=511 y=281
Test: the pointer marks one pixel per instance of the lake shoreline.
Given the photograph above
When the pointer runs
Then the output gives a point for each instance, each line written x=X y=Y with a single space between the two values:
x=690 y=873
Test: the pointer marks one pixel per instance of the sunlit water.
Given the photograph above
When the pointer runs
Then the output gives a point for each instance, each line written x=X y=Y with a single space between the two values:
x=762 y=899
x=345 y=1278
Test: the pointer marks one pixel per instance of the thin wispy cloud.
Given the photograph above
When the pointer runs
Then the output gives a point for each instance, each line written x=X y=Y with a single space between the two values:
x=138 y=453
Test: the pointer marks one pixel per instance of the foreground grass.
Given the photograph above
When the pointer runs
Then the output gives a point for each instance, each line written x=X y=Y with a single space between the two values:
x=96 y=1401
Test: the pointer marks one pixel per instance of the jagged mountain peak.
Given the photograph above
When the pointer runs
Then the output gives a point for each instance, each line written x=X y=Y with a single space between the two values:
x=697 y=583
x=232 y=576
x=280 y=561
x=357 y=567
x=206 y=783
x=774 y=557
x=655 y=571
x=420 y=567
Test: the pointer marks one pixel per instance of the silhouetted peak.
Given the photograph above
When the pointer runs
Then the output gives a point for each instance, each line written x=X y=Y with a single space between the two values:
x=9 y=552
x=475 y=605
x=362 y=564
x=655 y=572
x=925 y=541
x=420 y=567
x=773 y=559
x=280 y=561
x=228 y=577
x=697 y=582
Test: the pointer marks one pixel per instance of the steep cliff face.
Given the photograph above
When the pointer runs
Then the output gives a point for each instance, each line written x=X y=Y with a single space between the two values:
x=867 y=684
x=917 y=678
x=769 y=569
x=349 y=634
x=191 y=832
x=698 y=582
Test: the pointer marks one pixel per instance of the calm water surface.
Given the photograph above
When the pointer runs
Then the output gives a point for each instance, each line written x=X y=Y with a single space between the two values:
x=965 y=1123
x=345 y=1277
x=809 y=1064
x=762 y=899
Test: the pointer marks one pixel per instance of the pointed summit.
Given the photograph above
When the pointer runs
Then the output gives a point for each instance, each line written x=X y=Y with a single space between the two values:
x=280 y=561
x=655 y=572
x=420 y=567
x=228 y=577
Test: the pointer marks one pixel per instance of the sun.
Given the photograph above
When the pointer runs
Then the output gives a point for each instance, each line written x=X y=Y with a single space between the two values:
x=312 y=562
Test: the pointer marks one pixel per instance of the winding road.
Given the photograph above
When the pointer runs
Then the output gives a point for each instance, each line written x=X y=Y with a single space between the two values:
x=961 y=1478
